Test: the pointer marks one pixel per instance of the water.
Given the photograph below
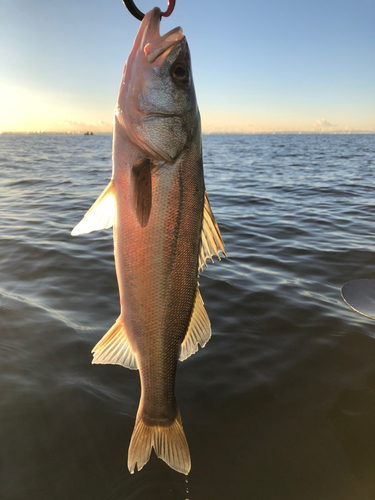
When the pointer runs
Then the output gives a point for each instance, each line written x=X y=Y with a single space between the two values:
x=280 y=404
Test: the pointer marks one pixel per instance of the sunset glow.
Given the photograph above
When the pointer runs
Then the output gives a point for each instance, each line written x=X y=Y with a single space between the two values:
x=261 y=72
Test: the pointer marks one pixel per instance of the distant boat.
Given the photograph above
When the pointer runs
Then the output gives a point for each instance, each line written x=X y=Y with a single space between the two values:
x=88 y=133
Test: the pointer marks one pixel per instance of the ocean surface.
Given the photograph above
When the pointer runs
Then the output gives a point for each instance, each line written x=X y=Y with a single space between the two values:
x=280 y=404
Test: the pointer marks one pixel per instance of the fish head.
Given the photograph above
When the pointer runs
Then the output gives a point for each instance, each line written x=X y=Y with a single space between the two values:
x=157 y=107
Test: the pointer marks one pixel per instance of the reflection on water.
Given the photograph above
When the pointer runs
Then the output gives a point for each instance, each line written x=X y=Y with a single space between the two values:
x=278 y=405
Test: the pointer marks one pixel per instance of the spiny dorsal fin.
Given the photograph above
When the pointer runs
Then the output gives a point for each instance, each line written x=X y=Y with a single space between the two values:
x=101 y=215
x=114 y=348
x=142 y=190
x=211 y=240
x=199 y=330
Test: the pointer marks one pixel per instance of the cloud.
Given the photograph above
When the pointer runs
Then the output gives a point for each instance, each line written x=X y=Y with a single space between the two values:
x=98 y=126
x=323 y=123
x=71 y=122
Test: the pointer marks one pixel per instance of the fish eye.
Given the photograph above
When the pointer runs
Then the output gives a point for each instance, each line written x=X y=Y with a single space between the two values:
x=180 y=73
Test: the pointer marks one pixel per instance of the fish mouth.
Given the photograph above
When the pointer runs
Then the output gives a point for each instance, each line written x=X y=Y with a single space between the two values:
x=153 y=44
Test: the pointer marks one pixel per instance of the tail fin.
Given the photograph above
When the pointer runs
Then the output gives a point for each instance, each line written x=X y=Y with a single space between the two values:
x=169 y=444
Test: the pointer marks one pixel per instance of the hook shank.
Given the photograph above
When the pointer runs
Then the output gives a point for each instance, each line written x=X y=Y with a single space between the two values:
x=133 y=9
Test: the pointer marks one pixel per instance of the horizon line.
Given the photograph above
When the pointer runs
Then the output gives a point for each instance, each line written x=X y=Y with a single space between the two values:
x=278 y=132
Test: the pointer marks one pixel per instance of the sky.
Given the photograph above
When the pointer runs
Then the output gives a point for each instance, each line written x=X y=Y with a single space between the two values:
x=259 y=66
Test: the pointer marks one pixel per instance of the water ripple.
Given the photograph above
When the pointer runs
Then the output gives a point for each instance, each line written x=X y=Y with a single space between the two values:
x=297 y=217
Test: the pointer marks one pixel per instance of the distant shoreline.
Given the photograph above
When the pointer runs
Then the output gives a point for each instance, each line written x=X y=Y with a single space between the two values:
x=349 y=132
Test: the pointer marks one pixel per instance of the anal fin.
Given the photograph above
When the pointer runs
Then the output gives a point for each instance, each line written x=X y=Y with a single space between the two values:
x=114 y=348
x=199 y=330
x=101 y=215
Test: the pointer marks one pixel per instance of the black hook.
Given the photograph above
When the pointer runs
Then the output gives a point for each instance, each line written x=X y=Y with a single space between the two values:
x=129 y=4
x=133 y=9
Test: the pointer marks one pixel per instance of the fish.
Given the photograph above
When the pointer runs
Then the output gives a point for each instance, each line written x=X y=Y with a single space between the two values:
x=164 y=231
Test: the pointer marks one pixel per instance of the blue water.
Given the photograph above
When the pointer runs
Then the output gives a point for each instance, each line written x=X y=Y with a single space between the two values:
x=280 y=404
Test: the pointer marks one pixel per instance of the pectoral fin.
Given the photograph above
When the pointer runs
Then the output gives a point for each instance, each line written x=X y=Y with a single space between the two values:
x=114 y=348
x=142 y=190
x=199 y=330
x=211 y=240
x=101 y=215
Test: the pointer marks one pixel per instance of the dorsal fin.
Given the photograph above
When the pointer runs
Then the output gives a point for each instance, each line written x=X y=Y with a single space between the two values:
x=114 y=348
x=101 y=215
x=199 y=330
x=142 y=190
x=211 y=240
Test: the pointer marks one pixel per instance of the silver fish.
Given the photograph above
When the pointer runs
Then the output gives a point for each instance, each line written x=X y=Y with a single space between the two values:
x=163 y=231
